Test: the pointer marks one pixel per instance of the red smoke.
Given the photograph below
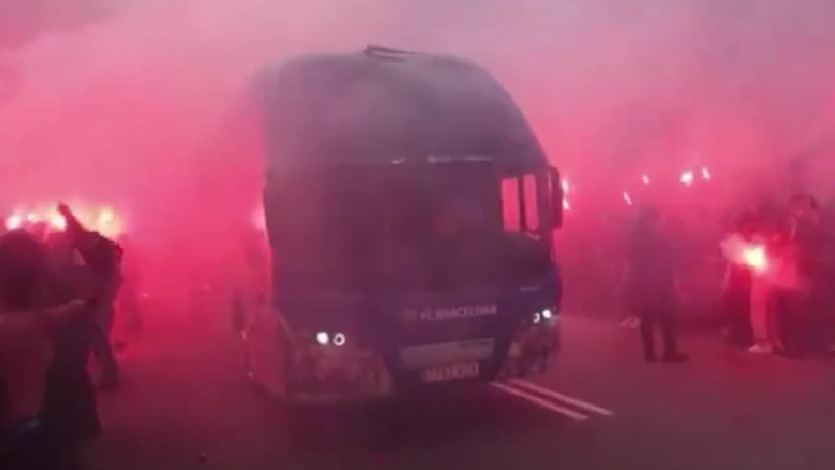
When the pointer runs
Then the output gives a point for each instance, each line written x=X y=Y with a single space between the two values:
x=139 y=109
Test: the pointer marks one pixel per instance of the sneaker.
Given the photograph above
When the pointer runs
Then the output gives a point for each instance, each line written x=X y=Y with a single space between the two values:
x=761 y=348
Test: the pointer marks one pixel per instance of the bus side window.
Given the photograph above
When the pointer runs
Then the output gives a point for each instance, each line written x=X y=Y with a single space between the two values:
x=520 y=207
x=531 y=203
x=510 y=205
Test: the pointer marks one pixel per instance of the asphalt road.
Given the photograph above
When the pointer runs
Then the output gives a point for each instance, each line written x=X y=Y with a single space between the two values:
x=186 y=405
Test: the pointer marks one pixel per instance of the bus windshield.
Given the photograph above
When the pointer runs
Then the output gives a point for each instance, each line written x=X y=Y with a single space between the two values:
x=428 y=227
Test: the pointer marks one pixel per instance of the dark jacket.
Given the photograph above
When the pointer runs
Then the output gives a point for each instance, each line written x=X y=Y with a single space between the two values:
x=651 y=261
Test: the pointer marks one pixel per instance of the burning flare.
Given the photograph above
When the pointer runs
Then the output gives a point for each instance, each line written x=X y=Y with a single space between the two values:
x=740 y=251
x=754 y=256
x=104 y=220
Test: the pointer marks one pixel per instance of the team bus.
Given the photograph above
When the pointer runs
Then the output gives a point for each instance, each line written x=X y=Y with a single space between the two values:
x=410 y=212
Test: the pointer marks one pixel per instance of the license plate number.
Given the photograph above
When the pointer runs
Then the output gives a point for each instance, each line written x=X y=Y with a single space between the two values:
x=464 y=370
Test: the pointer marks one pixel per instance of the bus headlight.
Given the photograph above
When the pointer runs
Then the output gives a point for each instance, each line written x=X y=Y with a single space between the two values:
x=324 y=338
x=544 y=315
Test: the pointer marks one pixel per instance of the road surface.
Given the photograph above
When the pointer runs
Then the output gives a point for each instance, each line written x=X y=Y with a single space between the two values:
x=186 y=405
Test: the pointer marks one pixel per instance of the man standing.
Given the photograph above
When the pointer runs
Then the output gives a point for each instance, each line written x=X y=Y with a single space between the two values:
x=69 y=410
x=102 y=256
x=652 y=285
x=808 y=237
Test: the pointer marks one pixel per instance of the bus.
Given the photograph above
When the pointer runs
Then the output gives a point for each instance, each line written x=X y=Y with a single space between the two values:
x=410 y=213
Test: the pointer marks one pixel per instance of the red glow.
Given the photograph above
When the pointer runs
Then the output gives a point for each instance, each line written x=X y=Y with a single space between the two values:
x=259 y=219
x=107 y=222
x=566 y=188
x=58 y=222
x=687 y=178
x=754 y=256
x=103 y=220
x=14 y=222
x=627 y=198
x=706 y=173
x=182 y=184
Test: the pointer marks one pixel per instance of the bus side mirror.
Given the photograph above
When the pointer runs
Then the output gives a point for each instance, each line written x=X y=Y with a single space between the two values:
x=556 y=197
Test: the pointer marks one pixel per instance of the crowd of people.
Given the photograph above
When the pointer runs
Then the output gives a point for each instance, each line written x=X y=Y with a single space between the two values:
x=775 y=297
x=57 y=296
x=59 y=291
x=779 y=302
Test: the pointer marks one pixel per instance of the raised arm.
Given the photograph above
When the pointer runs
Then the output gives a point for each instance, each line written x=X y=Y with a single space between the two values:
x=74 y=227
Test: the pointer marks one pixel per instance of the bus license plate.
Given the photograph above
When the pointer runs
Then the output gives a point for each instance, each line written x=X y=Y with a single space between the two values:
x=463 y=370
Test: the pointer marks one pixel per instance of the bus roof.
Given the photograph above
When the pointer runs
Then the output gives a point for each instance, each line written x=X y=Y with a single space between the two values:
x=388 y=106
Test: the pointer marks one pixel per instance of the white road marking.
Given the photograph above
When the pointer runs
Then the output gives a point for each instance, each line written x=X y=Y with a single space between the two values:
x=540 y=402
x=582 y=404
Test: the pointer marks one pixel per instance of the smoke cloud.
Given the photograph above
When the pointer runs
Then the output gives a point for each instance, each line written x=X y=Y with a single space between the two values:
x=127 y=107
